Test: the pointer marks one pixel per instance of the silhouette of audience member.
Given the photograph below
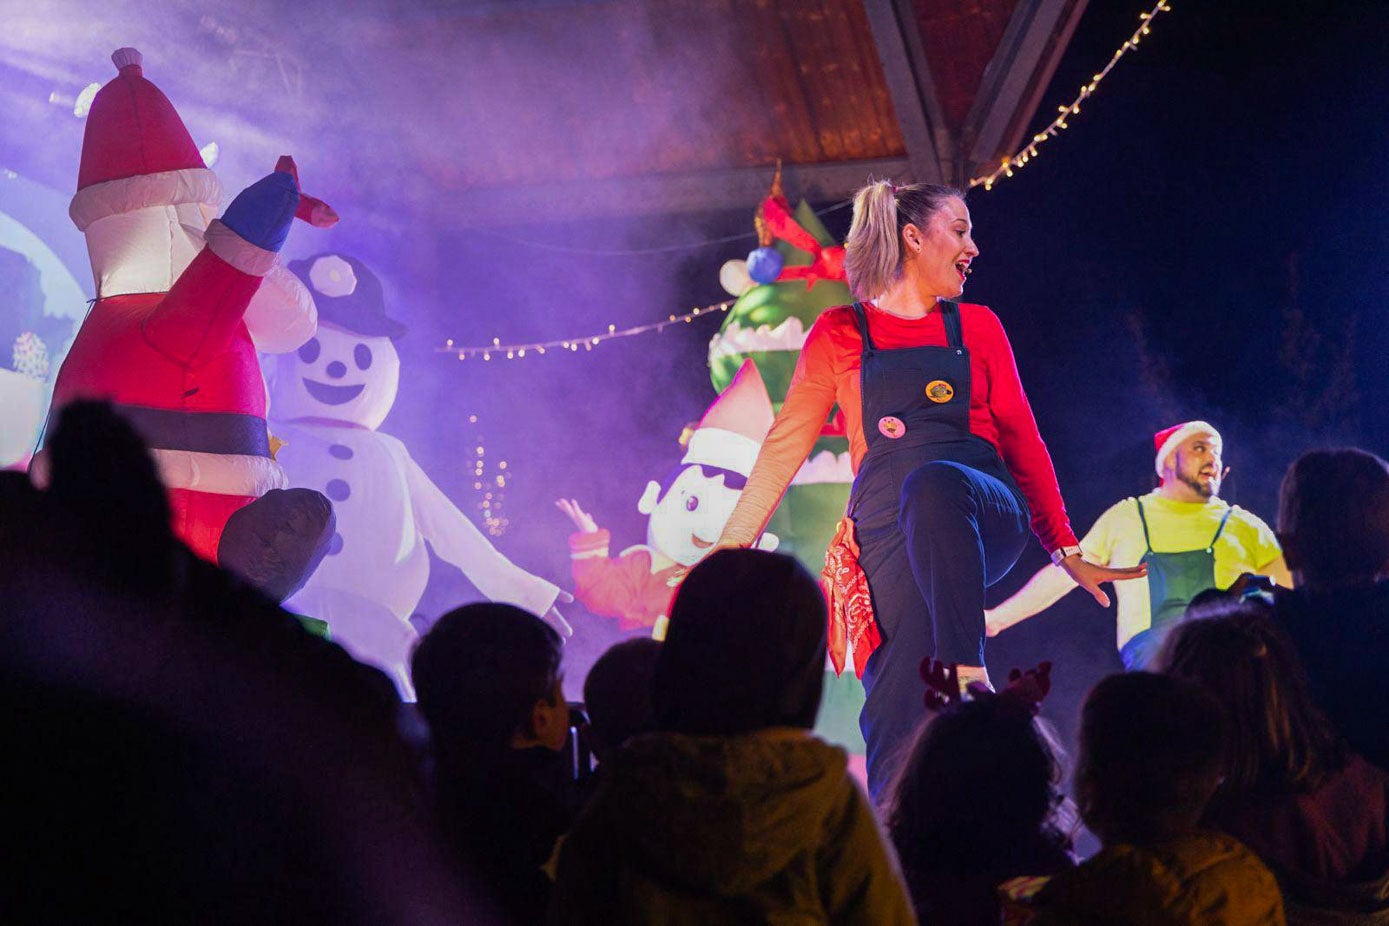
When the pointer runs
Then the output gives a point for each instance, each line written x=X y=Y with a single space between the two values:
x=21 y=514
x=177 y=748
x=617 y=695
x=490 y=688
x=1316 y=813
x=113 y=528
x=117 y=524
x=1333 y=522
x=1149 y=761
x=974 y=805
x=733 y=812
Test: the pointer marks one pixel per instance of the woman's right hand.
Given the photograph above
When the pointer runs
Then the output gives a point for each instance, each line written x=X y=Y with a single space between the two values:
x=582 y=519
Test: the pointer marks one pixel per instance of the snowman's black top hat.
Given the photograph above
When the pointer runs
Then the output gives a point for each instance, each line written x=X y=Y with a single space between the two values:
x=348 y=295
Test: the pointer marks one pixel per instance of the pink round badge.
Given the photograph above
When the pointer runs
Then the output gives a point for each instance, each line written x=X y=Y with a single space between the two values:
x=891 y=427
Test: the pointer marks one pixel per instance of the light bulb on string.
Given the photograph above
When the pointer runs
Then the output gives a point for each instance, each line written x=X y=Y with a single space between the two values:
x=1005 y=169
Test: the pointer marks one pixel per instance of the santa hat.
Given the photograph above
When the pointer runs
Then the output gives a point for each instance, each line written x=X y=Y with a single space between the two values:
x=731 y=432
x=136 y=151
x=1169 y=439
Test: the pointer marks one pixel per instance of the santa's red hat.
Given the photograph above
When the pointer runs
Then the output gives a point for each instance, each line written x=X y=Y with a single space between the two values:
x=731 y=432
x=1169 y=439
x=136 y=151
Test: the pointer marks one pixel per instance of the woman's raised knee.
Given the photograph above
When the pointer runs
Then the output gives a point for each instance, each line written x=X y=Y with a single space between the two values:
x=935 y=487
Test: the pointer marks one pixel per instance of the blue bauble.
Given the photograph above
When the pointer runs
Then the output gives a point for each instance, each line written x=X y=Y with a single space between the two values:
x=764 y=264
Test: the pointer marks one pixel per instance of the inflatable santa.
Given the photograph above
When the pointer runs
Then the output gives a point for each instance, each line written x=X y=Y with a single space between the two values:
x=327 y=402
x=180 y=310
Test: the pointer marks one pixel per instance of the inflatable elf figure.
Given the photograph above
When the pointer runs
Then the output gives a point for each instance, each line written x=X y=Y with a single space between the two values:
x=686 y=512
x=796 y=272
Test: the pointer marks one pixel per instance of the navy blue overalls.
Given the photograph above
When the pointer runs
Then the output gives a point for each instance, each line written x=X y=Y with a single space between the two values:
x=938 y=519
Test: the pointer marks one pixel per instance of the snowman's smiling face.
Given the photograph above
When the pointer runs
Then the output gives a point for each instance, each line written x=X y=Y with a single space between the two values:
x=338 y=376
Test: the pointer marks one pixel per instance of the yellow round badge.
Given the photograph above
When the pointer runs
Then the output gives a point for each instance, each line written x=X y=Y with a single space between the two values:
x=939 y=391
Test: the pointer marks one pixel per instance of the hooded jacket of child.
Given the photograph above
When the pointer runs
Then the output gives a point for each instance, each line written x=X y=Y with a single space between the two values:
x=765 y=827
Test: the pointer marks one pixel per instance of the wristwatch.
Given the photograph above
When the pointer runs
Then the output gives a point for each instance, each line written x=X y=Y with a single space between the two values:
x=1061 y=553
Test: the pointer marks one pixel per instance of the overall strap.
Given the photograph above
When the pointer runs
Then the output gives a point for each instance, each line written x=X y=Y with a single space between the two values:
x=954 y=333
x=1144 y=521
x=1218 y=530
x=861 y=317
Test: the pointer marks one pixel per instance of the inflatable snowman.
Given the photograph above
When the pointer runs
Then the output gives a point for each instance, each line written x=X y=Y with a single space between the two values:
x=180 y=312
x=327 y=401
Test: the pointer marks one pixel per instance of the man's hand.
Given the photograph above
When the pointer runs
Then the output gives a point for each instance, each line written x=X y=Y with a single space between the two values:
x=1250 y=583
x=582 y=519
x=1089 y=576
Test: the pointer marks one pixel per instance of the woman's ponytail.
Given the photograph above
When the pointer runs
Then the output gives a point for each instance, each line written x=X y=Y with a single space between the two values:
x=872 y=251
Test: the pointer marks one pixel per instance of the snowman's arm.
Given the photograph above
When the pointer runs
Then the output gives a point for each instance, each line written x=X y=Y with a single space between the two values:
x=205 y=306
x=457 y=541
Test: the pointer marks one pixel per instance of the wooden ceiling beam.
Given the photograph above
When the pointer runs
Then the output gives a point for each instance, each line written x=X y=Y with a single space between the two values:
x=704 y=191
x=1015 y=80
x=930 y=147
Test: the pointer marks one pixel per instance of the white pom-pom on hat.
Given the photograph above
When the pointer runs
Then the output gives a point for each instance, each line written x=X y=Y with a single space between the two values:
x=333 y=276
x=124 y=57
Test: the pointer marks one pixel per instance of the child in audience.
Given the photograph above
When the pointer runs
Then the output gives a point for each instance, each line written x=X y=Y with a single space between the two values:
x=617 y=695
x=1315 y=812
x=490 y=687
x=732 y=811
x=1150 y=758
x=975 y=804
x=1333 y=522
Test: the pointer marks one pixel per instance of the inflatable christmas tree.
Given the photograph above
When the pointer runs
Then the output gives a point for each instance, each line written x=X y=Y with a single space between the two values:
x=802 y=273
x=796 y=272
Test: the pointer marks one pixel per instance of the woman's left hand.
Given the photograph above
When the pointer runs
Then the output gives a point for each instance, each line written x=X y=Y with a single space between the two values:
x=1089 y=576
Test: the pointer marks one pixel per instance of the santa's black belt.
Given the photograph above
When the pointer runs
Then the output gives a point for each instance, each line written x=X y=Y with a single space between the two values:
x=199 y=432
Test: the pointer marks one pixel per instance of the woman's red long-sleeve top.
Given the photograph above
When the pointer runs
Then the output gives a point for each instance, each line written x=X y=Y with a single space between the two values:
x=828 y=372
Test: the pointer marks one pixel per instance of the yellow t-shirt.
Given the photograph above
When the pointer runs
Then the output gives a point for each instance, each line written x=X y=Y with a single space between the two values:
x=1246 y=545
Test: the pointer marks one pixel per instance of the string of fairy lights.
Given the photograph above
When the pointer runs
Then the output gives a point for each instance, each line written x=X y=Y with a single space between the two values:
x=1006 y=168
x=519 y=351
x=1016 y=162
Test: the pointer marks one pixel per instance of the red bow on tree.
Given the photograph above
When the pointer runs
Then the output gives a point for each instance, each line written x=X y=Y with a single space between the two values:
x=827 y=263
